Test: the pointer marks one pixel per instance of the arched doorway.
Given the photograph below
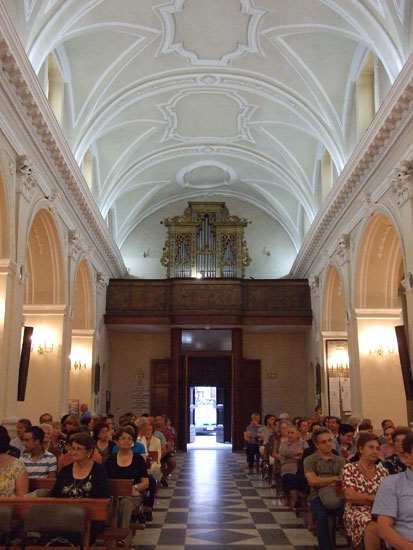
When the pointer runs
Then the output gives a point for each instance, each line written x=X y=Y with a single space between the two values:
x=336 y=375
x=378 y=310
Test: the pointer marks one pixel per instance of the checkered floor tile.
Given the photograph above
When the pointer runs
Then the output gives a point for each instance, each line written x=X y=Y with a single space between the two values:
x=212 y=503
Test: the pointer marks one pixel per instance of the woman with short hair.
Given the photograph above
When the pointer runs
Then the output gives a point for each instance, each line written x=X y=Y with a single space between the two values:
x=361 y=481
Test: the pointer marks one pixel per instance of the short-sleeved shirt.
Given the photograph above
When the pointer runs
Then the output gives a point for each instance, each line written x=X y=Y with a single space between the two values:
x=395 y=499
x=8 y=476
x=323 y=467
x=136 y=470
x=253 y=430
x=160 y=436
x=42 y=467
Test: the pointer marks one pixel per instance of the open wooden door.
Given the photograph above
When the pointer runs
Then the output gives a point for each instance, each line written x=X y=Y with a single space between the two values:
x=247 y=397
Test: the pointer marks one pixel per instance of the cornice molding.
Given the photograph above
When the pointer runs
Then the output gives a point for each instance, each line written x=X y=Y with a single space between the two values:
x=26 y=91
x=388 y=123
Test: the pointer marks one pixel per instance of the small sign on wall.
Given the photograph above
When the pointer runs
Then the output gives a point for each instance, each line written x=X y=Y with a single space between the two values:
x=74 y=407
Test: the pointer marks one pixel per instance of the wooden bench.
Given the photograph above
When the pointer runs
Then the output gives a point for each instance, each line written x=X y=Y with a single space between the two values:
x=96 y=510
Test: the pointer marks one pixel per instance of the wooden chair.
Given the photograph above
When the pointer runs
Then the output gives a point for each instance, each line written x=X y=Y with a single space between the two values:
x=63 y=519
x=96 y=509
x=41 y=485
x=6 y=517
x=119 y=488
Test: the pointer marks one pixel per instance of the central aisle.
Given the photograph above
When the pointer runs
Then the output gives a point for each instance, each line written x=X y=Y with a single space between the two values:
x=211 y=502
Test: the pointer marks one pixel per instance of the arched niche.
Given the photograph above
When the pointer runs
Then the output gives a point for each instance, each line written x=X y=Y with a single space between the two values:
x=333 y=312
x=380 y=269
x=336 y=359
x=44 y=309
x=83 y=324
x=379 y=266
x=45 y=282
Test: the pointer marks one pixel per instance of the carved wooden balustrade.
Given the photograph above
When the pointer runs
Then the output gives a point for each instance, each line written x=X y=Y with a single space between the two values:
x=208 y=301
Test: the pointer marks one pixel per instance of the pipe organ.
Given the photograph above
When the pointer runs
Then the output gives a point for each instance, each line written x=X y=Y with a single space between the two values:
x=205 y=242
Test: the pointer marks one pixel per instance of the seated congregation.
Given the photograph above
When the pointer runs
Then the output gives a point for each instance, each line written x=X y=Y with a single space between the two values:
x=342 y=476
x=85 y=458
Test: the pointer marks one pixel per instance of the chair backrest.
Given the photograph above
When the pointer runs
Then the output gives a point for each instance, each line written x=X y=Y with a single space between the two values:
x=120 y=487
x=41 y=483
x=61 y=519
x=6 y=516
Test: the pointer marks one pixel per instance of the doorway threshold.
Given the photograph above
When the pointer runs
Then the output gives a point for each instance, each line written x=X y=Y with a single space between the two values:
x=208 y=442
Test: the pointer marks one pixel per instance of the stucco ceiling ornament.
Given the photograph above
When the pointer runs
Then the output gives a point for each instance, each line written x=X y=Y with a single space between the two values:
x=402 y=182
x=26 y=177
x=219 y=102
x=176 y=18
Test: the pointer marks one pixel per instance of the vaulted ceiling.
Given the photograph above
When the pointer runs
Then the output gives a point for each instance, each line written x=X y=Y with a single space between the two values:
x=178 y=99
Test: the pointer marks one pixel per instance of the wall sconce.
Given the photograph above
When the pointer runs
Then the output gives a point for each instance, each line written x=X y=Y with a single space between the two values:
x=381 y=351
x=42 y=347
x=271 y=375
x=78 y=365
x=146 y=253
x=140 y=374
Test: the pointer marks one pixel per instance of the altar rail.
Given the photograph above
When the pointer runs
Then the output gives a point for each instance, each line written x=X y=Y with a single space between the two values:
x=212 y=301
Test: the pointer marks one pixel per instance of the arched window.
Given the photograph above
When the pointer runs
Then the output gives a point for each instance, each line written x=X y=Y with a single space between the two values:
x=55 y=87
x=326 y=175
x=365 y=96
x=87 y=168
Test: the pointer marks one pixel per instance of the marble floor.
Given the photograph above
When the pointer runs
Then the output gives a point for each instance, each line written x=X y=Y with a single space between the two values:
x=212 y=502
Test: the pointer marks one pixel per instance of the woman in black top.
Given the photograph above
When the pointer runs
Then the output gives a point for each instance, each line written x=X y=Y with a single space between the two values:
x=84 y=478
x=126 y=464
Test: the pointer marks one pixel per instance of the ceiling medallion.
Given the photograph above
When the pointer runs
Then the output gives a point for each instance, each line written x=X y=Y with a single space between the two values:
x=177 y=19
x=213 y=107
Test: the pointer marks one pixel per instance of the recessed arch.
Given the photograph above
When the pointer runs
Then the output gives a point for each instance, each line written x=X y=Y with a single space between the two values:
x=379 y=265
x=83 y=299
x=334 y=308
x=44 y=265
x=4 y=222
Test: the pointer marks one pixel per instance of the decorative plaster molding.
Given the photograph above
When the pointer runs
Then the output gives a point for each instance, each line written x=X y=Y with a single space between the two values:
x=102 y=282
x=402 y=182
x=390 y=120
x=343 y=248
x=169 y=45
x=368 y=204
x=26 y=177
x=75 y=246
x=407 y=283
x=245 y=111
x=315 y=285
x=25 y=93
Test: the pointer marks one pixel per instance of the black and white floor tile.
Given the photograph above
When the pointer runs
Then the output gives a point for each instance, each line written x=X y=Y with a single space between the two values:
x=212 y=502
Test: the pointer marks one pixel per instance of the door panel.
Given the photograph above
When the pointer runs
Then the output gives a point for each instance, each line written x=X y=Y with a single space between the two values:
x=247 y=397
x=160 y=386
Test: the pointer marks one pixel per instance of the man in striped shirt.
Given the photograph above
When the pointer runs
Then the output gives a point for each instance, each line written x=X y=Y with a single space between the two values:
x=38 y=462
